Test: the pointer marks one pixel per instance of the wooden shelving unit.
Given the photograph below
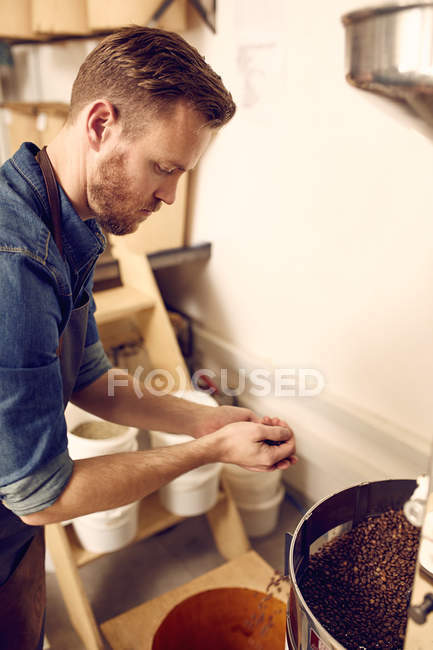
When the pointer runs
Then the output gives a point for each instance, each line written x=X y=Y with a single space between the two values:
x=136 y=306
x=107 y=273
x=182 y=255
x=152 y=519
x=31 y=25
x=113 y=304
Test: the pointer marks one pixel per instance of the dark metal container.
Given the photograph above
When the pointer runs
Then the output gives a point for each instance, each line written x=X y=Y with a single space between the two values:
x=329 y=518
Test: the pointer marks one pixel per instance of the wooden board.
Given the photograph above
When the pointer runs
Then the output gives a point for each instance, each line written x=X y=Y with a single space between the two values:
x=134 y=630
x=152 y=519
x=117 y=303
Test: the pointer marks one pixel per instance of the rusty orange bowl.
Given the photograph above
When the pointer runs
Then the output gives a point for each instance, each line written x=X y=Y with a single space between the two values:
x=224 y=619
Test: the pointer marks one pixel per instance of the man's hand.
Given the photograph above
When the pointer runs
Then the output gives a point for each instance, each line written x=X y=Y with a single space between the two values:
x=255 y=446
x=217 y=417
x=220 y=417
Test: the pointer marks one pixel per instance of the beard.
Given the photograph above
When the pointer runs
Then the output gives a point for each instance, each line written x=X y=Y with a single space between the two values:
x=116 y=209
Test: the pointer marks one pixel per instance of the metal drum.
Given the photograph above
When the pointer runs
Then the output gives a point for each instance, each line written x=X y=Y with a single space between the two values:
x=389 y=52
x=326 y=520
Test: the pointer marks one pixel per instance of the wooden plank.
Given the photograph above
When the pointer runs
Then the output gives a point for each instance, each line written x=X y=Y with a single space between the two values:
x=120 y=302
x=159 y=337
x=227 y=527
x=72 y=589
x=124 y=331
x=134 y=630
x=15 y=19
x=59 y=17
x=36 y=107
x=113 y=14
x=176 y=256
x=153 y=518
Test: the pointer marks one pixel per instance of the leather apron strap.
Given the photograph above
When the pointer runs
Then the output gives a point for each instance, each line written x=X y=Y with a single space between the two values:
x=53 y=196
x=72 y=340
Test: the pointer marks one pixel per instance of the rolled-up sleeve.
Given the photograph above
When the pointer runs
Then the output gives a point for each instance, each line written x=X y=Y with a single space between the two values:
x=95 y=363
x=34 y=462
x=39 y=490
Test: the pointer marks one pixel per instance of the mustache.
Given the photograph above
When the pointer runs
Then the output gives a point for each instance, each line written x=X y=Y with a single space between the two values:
x=155 y=206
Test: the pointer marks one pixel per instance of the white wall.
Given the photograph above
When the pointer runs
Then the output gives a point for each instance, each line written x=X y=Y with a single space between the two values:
x=318 y=207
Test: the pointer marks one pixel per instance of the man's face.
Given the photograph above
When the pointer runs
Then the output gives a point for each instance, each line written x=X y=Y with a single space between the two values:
x=132 y=177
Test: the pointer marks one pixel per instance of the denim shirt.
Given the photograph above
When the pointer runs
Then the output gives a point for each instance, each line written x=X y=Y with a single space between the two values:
x=36 y=288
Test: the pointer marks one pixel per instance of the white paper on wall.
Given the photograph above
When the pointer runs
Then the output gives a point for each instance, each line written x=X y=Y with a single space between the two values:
x=261 y=54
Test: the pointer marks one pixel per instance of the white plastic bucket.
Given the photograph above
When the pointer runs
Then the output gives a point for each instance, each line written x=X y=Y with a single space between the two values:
x=110 y=530
x=252 y=487
x=80 y=447
x=261 y=519
x=194 y=492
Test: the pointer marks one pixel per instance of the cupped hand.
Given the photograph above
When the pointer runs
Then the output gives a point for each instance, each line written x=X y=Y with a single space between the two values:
x=277 y=422
x=215 y=418
x=256 y=446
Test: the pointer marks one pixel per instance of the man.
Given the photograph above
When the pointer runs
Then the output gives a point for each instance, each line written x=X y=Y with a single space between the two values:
x=144 y=108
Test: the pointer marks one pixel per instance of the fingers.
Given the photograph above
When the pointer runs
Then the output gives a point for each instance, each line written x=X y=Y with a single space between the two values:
x=279 y=446
x=276 y=433
x=260 y=446
x=280 y=454
x=278 y=438
x=286 y=462
x=255 y=418
x=274 y=422
x=282 y=464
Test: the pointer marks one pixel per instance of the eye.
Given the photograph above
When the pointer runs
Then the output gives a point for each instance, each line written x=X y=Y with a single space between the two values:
x=163 y=170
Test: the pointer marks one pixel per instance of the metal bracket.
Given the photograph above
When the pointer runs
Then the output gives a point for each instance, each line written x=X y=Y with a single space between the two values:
x=160 y=11
x=209 y=17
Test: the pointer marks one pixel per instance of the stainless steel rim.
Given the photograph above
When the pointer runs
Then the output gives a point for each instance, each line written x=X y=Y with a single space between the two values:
x=364 y=499
x=369 y=12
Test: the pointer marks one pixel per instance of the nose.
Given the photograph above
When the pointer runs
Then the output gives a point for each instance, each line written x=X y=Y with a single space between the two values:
x=167 y=190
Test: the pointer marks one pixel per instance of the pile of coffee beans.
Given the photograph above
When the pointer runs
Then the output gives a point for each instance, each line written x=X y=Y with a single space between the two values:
x=358 y=585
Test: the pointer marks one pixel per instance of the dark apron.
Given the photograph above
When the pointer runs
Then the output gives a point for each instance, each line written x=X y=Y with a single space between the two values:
x=22 y=547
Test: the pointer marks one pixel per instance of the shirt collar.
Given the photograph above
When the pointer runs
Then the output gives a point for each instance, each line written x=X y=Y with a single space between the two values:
x=82 y=240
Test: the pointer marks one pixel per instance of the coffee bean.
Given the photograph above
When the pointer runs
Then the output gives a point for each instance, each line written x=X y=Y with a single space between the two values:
x=358 y=585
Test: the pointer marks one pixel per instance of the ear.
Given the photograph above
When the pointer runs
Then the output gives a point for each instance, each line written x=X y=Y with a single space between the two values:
x=101 y=123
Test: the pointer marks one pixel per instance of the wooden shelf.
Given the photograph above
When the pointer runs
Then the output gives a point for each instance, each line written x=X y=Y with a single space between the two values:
x=40 y=39
x=175 y=256
x=107 y=273
x=120 y=302
x=153 y=518
x=136 y=309
x=37 y=107
x=177 y=24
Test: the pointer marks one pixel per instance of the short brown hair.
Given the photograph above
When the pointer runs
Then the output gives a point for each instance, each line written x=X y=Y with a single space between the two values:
x=143 y=67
